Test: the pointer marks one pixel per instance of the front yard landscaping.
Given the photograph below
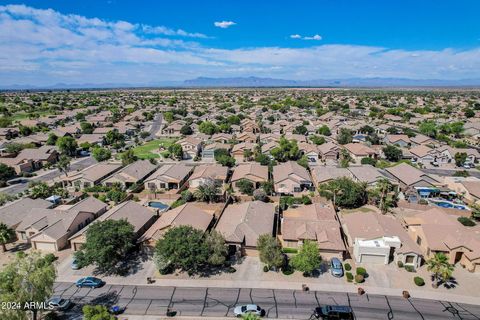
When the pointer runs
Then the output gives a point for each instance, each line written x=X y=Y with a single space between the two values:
x=150 y=150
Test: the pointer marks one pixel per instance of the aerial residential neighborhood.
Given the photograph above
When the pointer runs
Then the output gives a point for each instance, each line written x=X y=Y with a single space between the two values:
x=252 y=159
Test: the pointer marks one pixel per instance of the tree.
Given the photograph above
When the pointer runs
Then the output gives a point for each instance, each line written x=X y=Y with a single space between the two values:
x=107 y=243
x=186 y=130
x=270 y=251
x=286 y=150
x=217 y=248
x=96 y=312
x=6 y=235
x=223 y=157
x=345 y=192
x=183 y=248
x=40 y=190
x=303 y=161
x=128 y=157
x=469 y=113
x=63 y=163
x=52 y=139
x=260 y=195
x=368 y=160
x=428 y=128
x=245 y=186
x=87 y=127
x=344 y=136
x=207 y=191
x=67 y=145
x=345 y=158
x=383 y=195
x=6 y=172
x=28 y=278
x=207 y=127
x=176 y=150
x=318 y=140
x=302 y=130
x=392 y=153
x=101 y=154
x=114 y=137
x=460 y=158
x=324 y=130
x=440 y=267
x=308 y=259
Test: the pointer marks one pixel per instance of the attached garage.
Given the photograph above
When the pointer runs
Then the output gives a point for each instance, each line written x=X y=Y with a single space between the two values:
x=372 y=258
x=44 y=246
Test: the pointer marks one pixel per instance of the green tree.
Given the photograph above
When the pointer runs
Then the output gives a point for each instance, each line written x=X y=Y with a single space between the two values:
x=345 y=192
x=460 y=158
x=383 y=195
x=223 y=157
x=324 y=130
x=28 y=278
x=40 y=190
x=87 y=127
x=52 y=139
x=176 y=151
x=113 y=137
x=308 y=259
x=96 y=312
x=318 y=140
x=345 y=136
x=183 y=248
x=63 y=163
x=428 y=128
x=217 y=248
x=107 y=243
x=186 y=130
x=270 y=251
x=207 y=127
x=302 y=130
x=286 y=150
x=207 y=191
x=6 y=235
x=67 y=145
x=128 y=157
x=440 y=267
x=6 y=172
x=392 y=153
x=101 y=154
x=245 y=186
x=469 y=113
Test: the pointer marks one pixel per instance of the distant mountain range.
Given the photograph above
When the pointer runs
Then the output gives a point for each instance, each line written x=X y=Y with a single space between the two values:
x=244 y=82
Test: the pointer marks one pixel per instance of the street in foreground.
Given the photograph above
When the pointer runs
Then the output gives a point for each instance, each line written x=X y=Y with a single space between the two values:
x=284 y=304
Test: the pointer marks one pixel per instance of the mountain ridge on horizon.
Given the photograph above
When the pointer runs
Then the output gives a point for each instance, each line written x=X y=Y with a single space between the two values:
x=253 y=81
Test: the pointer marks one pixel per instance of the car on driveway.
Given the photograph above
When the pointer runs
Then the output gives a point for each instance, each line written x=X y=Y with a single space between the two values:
x=334 y=312
x=74 y=265
x=89 y=282
x=336 y=268
x=248 y=309
x=59 y=304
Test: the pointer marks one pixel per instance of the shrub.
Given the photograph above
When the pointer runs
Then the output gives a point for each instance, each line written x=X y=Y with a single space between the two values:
x=361 y=271
x=359 y=278
x=266 y=268
x=288 y=270
x=349 y=276
x=231 y=270
x=410 y=268
x=419 y=281
x=347 y=266
x=400 y=264
x=467 y=222
x=289 y=250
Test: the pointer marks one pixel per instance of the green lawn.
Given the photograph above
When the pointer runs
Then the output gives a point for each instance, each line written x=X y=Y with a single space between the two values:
x=149 y=150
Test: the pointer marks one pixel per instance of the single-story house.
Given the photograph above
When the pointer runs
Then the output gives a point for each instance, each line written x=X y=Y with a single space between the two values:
x=168 y=177
x=134 y=173
x=291 y=178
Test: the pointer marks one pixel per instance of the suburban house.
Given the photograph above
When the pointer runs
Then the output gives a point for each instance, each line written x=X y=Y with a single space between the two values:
x=246 y=137
x=133 y=174
x=139 y=216
x=421 y=139
x=379 y=239
x=208 y=172
x=40 y=156
x=329 y=151
x=358 y=151
x=221 y=137
x=435 y=231
x=447 y=154
x=423 y=154
x=409 y=177
x=90 y=176
x=367 y=173
x=310 y=151
x=239 y=149
x=325 y=174
x=208 y=151
x=13 y=213
x=400 y=140
x=189 y=214
x=291 y=178
x=49 y=229
x=242 y=223
x=173 y=129
x=191 y=147
x=253 y=172
x=314 y=222
x=168 y=177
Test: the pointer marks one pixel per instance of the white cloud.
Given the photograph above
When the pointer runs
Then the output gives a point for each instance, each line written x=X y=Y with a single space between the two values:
x=44 y=47
x=315 y=37
x=224 y=24
x=296 y=36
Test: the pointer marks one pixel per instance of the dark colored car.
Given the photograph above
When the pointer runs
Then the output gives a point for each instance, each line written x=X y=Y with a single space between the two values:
x=334 y=312
x=89 y=282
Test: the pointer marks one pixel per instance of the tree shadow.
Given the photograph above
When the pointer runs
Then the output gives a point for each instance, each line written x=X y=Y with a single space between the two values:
x=130 y=265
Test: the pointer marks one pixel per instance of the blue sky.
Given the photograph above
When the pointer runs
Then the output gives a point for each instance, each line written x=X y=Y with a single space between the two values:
x=147 y=42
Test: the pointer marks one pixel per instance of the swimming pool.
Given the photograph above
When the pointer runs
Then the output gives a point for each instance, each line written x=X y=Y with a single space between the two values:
x=449 y=205
x=158 y=205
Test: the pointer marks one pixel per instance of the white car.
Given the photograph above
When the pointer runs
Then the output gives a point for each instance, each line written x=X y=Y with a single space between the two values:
x=247 y=309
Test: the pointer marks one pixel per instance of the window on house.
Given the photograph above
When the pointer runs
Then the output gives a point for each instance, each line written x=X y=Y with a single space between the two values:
x=409 y=259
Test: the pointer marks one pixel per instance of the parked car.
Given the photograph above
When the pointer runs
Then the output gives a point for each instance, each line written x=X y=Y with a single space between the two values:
x=247 y=309
x=59 y=304
x=74 y=265
x=334 y=312
x=89 y=282
x=336 y=268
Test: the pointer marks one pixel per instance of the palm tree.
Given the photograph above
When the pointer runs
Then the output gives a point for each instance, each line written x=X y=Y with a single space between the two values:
x=440 y=267
x=207 y=191
x=6 y=235
x=386 y=199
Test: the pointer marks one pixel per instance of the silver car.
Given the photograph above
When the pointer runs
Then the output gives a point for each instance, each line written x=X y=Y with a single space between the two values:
x=59 y=304
x=247 y=309
x=336 y=268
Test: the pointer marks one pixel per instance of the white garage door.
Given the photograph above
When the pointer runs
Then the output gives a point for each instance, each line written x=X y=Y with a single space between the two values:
x=370 y=258
x=44 y=246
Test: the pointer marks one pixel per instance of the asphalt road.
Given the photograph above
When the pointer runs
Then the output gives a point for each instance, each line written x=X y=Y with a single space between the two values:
x=20 y=187
x=156 y=125
x=285 y=304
